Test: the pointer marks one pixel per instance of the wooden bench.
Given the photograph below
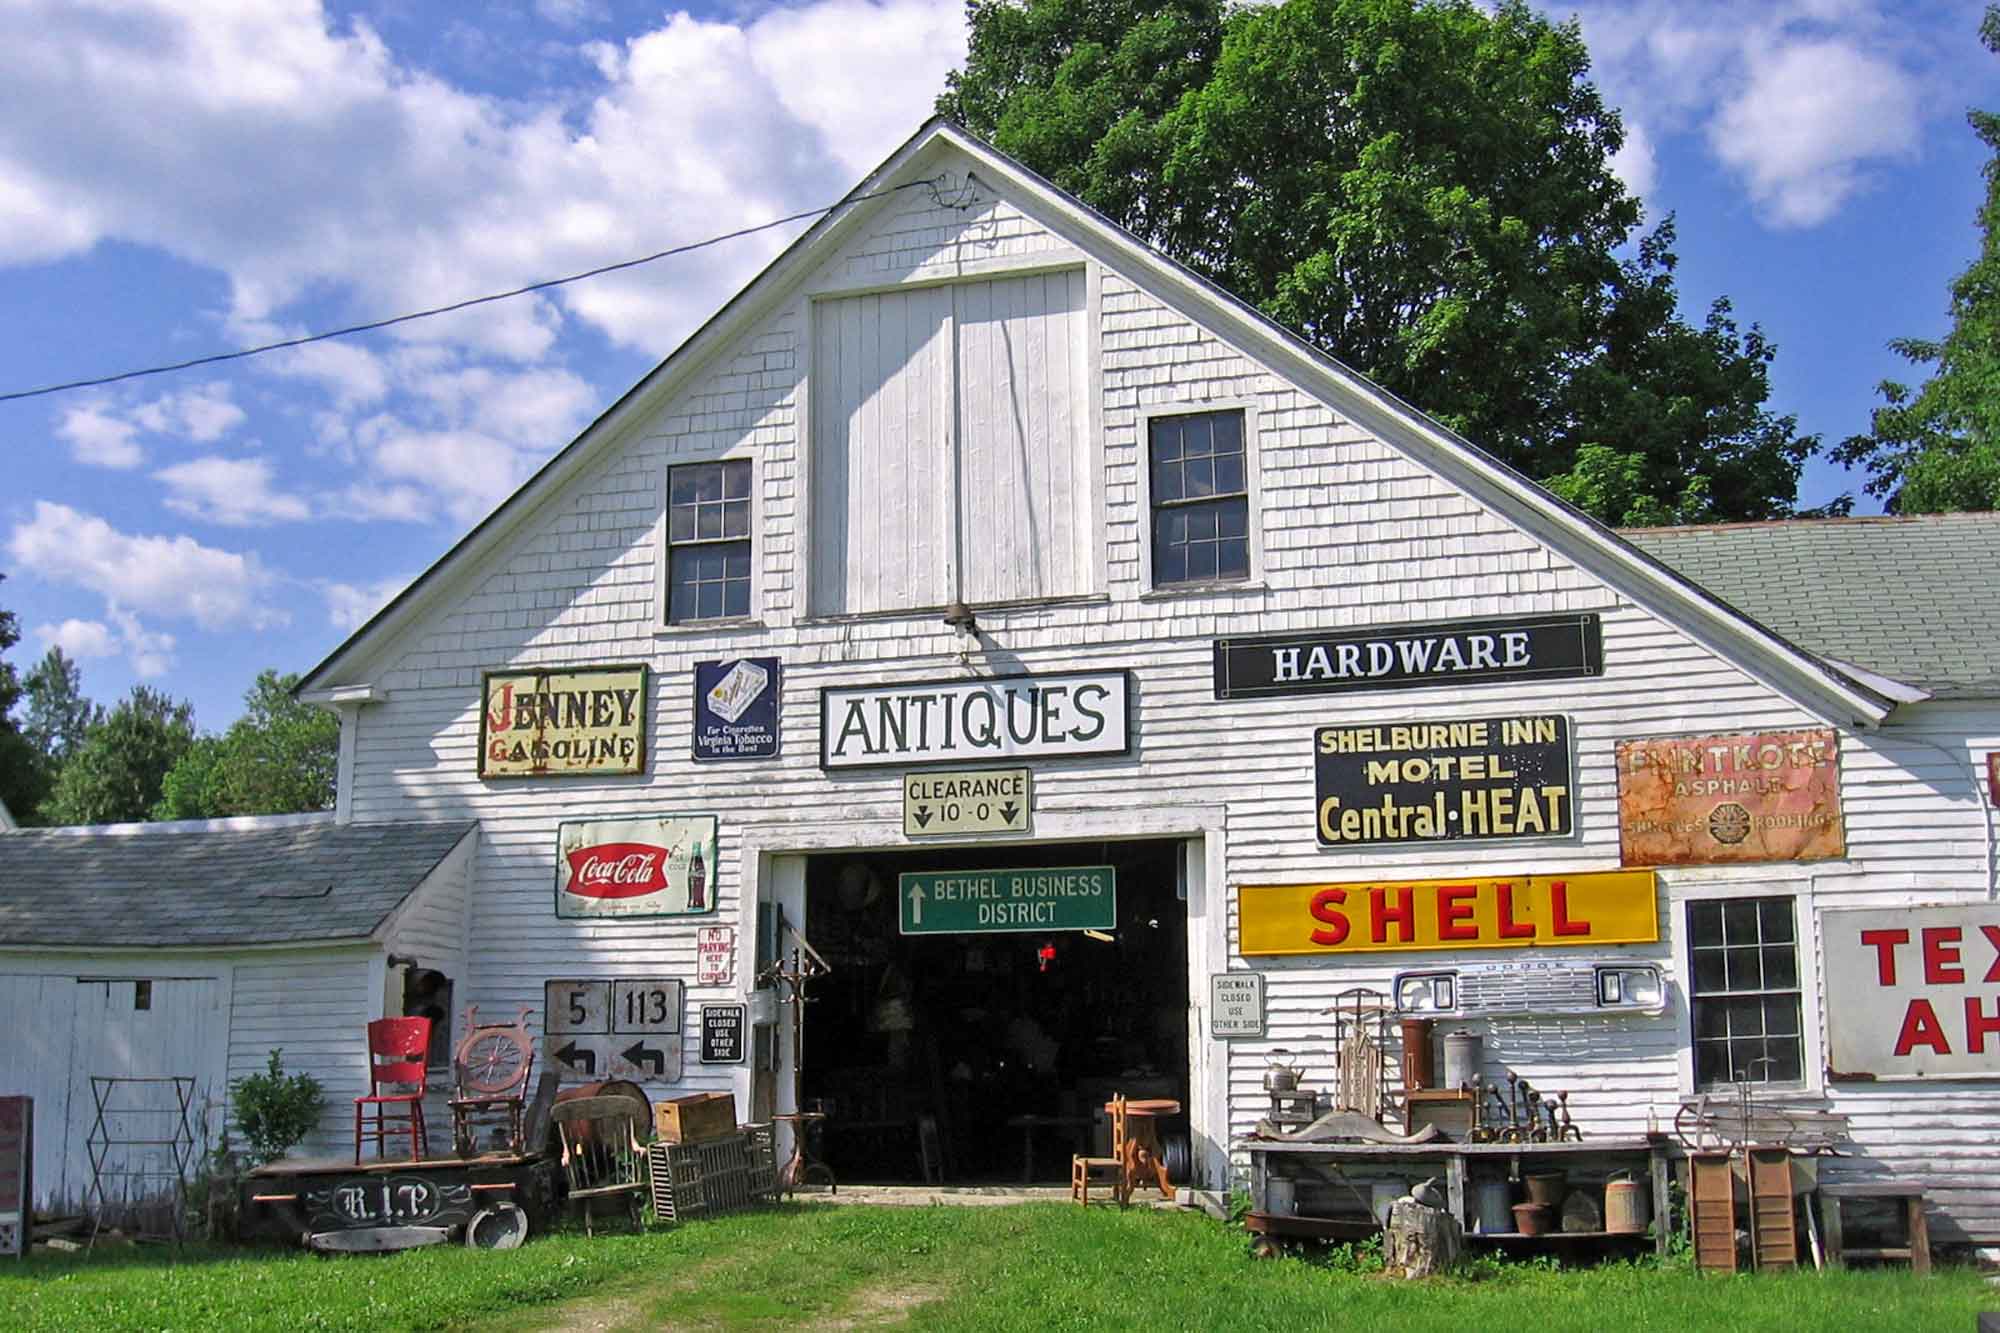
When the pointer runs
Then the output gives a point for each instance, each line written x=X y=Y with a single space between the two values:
x=1918 y=1249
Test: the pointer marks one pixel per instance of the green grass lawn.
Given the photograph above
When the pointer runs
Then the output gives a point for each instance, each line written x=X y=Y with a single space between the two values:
x=1029 y=1268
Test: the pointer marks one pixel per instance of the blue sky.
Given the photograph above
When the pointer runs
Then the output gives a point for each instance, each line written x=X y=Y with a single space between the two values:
x=181 y=179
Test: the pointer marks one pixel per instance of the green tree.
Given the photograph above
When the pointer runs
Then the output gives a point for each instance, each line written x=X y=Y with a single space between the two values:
x=1423 y=189
x=115 y=775
x=279 y=758
x=24 y=779
x=58 y=713
x=1938 y=448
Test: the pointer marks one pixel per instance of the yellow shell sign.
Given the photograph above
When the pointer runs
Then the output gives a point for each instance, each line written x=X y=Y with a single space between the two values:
x=1606 y=907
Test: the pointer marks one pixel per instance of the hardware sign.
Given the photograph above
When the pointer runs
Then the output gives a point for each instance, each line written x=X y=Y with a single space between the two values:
x=1912 y=992
x=1235 y=1004
x=736 y=708
x=971 y=902
x=662 y=866
x=1501 y=777
x=1065 y=716
x=1410 y=657
x=600 y=1028
x=722 y=1027
x=990 y=801
x=583 y=722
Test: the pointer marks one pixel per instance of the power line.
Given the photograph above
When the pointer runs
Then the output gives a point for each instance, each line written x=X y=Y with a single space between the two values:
x=372 y=325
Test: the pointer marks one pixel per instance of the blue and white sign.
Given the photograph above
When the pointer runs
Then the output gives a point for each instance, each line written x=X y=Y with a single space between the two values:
x=736 y=709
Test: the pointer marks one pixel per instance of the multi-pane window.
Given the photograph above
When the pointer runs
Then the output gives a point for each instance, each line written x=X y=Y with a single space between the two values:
x=1744 y=958
x=708 y=541
x=1201 y=502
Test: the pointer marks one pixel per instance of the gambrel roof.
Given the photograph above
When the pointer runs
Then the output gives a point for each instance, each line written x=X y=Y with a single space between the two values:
x=1914 y=598
x=1817 y=685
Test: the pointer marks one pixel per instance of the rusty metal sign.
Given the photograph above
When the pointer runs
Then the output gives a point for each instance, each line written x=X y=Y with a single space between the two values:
x=1706 y=800
x=1912 y=992
x=589 y=721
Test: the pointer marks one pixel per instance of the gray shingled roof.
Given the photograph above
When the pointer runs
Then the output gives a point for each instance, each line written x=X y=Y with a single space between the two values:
x=293 y=884
x=1916 y=599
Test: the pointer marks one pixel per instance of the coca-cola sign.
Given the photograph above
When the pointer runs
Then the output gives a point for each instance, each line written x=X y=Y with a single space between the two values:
x=660 y=865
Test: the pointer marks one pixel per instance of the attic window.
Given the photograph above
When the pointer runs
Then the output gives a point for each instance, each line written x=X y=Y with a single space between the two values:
x=142 y=995
x=708 y=541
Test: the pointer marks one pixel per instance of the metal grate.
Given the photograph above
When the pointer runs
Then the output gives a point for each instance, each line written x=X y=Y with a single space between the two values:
x=714 y=1176
x=1532 y=986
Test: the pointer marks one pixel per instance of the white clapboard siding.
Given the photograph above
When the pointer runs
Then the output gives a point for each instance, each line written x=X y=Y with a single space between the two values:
x=1353 y=533
x=882 y=414
x=314 y=1007
x=1024 y=483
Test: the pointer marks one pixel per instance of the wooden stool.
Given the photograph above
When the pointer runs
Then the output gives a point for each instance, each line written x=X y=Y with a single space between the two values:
x=1911 y=1196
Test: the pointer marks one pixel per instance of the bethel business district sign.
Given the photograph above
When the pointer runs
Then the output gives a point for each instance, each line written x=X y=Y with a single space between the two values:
x=977 y=902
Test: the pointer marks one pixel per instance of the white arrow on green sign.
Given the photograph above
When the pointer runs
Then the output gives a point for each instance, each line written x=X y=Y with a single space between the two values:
x=975 y=902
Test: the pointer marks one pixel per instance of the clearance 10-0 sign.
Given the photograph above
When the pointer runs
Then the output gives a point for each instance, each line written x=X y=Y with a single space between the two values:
x=1606 y=907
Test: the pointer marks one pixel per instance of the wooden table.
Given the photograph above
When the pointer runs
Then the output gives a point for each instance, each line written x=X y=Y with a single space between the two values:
x=1909 y=1196
x=1142 y=1141
x=1455 y=1158
x=1078 y=1126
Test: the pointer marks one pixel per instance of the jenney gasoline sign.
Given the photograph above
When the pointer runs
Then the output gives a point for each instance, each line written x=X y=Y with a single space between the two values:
x=1912 y=992
x=590 y=720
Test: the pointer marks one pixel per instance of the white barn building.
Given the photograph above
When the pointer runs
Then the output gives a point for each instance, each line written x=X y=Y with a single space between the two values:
x=973 y=481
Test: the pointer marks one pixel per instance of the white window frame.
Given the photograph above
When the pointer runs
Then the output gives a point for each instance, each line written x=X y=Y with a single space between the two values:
x=1805 y=922
x=1253 y=434
x=662 y=573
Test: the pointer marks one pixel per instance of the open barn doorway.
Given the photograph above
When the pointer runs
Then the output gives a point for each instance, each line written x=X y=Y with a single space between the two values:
x=986 y=1056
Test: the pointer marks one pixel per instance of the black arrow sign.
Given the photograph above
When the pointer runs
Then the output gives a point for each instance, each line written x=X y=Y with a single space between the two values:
x=922 y=814
x=579 y=1057
x=642 y=1055
x=1008 y=811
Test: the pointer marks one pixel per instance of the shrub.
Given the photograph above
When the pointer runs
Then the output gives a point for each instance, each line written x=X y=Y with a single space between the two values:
x=275 y=1110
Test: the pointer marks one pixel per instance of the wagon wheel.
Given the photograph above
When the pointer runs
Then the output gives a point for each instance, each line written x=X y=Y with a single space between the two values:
x=493 y=1059
x=1695 y=1127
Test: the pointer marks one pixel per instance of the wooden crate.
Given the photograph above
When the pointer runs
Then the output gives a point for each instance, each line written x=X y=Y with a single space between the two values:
x=705 y=1115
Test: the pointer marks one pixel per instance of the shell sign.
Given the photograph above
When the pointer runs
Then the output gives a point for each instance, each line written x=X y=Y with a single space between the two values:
x=1604 y=907
x=1711 y=800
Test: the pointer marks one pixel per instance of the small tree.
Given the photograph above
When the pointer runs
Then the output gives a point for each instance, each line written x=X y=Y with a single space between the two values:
x=275 y=1110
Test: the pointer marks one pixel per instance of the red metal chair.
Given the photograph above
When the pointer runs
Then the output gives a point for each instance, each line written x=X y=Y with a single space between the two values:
x=398 y=1051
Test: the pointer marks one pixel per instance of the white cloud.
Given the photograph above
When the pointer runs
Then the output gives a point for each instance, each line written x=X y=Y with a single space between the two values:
x=349 y=605
x=150 y=652
x=1810 y=122
x=203 y=414
x=233 y=491
x=100 y=439
x=1635 y=163
x=79 y=638
x=572 y=13
x=176 y=577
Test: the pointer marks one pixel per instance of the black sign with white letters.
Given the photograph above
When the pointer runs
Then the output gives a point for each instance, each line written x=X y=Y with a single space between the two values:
x=722 y=1033
x=1410 y=657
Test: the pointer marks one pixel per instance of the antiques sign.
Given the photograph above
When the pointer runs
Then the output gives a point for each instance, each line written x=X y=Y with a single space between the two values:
x=736 y=709
x=1912 y=992
x=601 y=1028
x=1608 y=907
x=967 y=902
x=658 y=866
x=1444 y=653
x=1768 y=796
x=992 y=801
x=586 y=722
x=1502 y=777
x=1063 y=716
x=1235 y=1004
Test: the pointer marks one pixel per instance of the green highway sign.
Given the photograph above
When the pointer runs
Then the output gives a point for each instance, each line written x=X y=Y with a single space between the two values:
x=974 y=902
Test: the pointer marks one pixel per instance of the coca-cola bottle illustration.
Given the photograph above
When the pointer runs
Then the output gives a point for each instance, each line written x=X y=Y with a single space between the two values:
x=697 y=883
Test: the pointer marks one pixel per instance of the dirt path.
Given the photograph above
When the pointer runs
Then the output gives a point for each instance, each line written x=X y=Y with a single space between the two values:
x=871 y=1307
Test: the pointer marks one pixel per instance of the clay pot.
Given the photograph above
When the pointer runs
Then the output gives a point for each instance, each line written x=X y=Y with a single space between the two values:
x=1545 y=1187
x=1532 y=1219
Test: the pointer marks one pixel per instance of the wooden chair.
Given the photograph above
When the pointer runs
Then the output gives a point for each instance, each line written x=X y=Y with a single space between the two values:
x=492 y=1066
x=1084 y=1170
x=398 y=1059
x=601 y=1153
